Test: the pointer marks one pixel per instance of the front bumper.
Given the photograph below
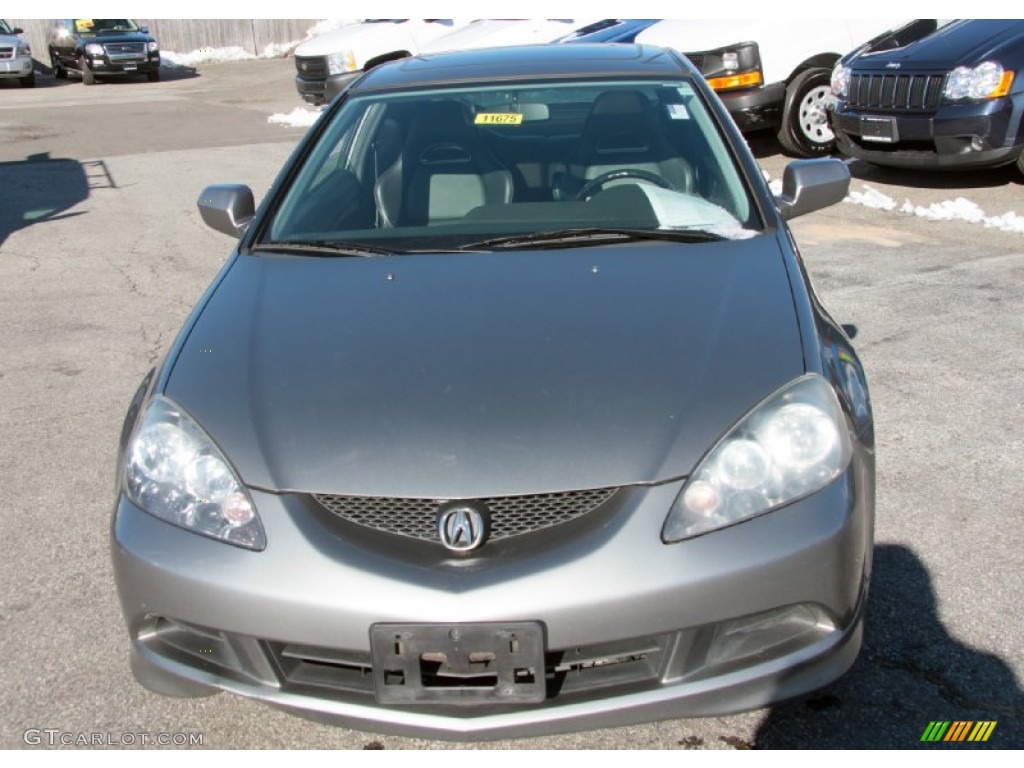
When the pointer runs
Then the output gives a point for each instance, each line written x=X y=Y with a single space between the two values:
x=755 y=109
x=633 y=624
x=102 y=65
x=18 y=67
x=940 y=140
x=317 y=91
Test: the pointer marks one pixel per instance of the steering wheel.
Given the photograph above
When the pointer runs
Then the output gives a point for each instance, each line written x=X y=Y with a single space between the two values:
x=595 y=184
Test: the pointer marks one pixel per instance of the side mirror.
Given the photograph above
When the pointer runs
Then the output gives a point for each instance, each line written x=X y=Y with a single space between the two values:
x=810 y=185
x=17 y=31
x=144 y=30
x=227 y=208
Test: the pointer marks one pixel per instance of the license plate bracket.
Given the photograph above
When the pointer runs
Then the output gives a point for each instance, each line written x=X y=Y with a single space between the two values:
x=130 y=67
x=459 y=664
x=879 y=129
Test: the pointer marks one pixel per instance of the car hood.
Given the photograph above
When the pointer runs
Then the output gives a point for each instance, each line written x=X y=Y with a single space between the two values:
x=10 y=40
x=476 y=375
x=385 y=35
x=963 y=42
x=116 y=37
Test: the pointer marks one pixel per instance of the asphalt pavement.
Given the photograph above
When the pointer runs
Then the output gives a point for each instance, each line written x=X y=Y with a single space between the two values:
x=102 y=255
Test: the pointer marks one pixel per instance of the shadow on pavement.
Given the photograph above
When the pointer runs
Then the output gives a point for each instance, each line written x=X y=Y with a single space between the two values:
x=40 y=189
x=959 y=180
x=910 y=672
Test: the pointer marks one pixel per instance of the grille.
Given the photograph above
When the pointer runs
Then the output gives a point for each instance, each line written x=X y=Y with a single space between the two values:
x=510 y=515
x=6 y=53
x=311 y=66
x=902 y=92
x=697 y=59
x=132 y=48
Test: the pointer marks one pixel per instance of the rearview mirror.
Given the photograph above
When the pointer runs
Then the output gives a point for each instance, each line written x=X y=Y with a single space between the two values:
x=227 y=208
x=810 y=185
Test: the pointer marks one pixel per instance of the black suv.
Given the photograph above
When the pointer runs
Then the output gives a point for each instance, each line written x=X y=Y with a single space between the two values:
x=934 y=95
x=94 y=47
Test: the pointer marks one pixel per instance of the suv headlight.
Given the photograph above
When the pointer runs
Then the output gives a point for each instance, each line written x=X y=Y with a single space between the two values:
x=94 y=49
x=24 y=49
x=988 y=80
x=840 y=80
x=152 y=46
x=789 y=446
x=175 y=472
x=341 y=62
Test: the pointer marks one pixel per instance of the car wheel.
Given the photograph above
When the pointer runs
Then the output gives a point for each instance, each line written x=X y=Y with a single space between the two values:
x=58 y=71
x=88 y=77
x=29 y=81
x=153 y=76
x=805 y=131
x=1020 y=162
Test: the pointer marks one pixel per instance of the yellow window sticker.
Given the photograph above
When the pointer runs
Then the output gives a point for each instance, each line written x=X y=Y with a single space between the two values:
x=83 y=25
x=498 y=118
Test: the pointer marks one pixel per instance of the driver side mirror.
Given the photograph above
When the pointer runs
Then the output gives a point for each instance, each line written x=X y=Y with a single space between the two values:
x=227 y=208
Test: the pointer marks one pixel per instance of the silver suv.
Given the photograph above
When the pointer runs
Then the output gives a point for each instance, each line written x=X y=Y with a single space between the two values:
x=15 y=56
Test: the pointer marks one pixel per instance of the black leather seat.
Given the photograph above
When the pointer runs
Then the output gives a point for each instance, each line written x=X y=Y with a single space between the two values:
x=622 y=131
x=443 y=172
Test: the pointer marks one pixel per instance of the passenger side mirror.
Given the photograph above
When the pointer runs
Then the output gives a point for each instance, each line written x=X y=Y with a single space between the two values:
x=144 y=30
x=17 y=31
x=810 y=185
x=227 y=208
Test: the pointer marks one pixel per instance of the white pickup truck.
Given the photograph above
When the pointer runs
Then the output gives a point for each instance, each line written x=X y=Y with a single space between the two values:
x=771 y=73
x=327 y=63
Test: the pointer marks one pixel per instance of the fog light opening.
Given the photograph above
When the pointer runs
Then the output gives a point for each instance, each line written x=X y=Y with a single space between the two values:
x=769 y=635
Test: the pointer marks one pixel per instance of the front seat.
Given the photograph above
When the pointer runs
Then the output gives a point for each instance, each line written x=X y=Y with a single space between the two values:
x=443 y=172
x=622 y=131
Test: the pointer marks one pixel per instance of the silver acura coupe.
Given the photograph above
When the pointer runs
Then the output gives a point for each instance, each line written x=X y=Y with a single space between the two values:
x=521 y=416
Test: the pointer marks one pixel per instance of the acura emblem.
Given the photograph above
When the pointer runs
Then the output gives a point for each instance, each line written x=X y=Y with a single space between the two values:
x=463 y=526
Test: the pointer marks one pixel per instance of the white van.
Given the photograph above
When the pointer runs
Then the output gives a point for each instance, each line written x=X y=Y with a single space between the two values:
x=329 y=62
x=771 y=73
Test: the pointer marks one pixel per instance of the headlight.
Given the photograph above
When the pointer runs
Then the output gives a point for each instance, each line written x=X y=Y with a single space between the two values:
x=840 y=81
x=737 y=66
x=338 y=63
x=988 y=80
x=24 y=49
x=789 y=446
x=175 y=472
x=151 y=46
x=94 y=49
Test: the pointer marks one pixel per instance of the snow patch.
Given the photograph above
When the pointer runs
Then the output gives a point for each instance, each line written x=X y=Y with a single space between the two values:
x=960 y=209
x=204 y=56
x=300 y=117
x=775 y=187
x=871 y=198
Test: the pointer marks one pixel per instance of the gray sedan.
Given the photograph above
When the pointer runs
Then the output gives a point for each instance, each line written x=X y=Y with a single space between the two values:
x=513 y=412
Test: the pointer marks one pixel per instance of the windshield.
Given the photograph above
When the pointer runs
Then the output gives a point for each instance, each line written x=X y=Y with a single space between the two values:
x=456 y=167
x=4 y=29
x=95 y=26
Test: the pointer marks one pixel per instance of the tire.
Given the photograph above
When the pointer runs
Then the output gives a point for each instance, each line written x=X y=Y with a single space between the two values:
x=153 y=76
x=1020 y=163
x=58 y=71
x=805 y=131
x=88 y=77
x=29 y=81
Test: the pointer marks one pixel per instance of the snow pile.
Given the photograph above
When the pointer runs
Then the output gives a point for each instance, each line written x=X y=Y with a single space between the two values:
x=871 y=198
x=963 y=209
x=775 y=187
x=300 y=117
x=960 y=209
x=204 y=56
x=329 y=25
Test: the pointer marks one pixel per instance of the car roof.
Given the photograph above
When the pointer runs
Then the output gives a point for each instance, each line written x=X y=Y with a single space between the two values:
x=528 y=62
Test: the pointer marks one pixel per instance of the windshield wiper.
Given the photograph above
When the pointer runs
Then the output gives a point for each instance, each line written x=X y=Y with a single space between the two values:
x=324 y=248
x=569 y=238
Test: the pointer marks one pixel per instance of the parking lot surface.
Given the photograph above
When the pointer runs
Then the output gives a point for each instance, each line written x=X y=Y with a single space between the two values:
x=103 y=254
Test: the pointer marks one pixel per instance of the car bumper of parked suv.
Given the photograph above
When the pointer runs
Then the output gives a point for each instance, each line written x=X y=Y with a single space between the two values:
x=18 y=67
x=318 y=91
x=979 y=135
x=102 y=65
x=631 y=629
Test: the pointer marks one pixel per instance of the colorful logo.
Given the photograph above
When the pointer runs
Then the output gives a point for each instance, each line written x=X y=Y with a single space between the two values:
x=958 y=730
